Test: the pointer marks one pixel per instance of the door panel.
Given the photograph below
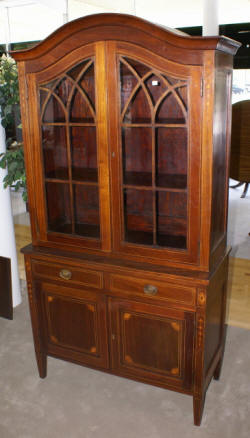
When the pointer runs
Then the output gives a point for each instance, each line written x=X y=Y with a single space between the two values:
x=152 y=342
x=155 y=139
x=68 y=120
x=72 y=184
x=74 y=324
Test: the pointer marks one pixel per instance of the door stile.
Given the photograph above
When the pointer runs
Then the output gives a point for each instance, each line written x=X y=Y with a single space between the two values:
x=115 y=150
x=36 y=158
x=101 y=74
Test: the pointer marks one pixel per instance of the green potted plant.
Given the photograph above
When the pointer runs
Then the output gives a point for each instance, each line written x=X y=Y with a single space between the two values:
x=13 y=158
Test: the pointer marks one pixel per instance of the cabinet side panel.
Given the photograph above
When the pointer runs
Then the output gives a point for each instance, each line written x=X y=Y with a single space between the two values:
x=215 y=316
x=221 y=143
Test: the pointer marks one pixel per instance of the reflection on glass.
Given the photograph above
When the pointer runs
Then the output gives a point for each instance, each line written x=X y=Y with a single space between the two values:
x=156 y=86
x=63 y=90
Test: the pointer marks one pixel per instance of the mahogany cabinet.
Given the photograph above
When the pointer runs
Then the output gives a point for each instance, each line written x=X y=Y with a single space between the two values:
x=126 y=128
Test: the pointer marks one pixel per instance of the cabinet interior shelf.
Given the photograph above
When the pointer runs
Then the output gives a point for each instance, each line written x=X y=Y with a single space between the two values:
x=155 y=125
x=68 y=124
x=66 y=181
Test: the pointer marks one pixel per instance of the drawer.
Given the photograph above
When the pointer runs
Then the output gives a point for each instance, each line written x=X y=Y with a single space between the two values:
x=68 y=274
x=156 y=289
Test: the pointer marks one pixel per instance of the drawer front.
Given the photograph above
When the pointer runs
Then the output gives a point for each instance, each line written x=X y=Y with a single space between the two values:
x=68 y=274
x=156 y=289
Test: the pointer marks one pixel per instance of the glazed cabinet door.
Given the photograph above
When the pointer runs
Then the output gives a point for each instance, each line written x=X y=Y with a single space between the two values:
x=70 y=178
x=152 y=343
x=156 y=152
x=74 y=324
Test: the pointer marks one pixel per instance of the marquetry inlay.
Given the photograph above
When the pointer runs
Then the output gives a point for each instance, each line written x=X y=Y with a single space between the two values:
x=201 y=298
x=91 y=307
x=200 y=328
x=128 y=359
x=175 y=326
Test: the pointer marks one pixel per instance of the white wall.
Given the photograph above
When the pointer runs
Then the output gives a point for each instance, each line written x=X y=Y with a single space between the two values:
x=35 y=19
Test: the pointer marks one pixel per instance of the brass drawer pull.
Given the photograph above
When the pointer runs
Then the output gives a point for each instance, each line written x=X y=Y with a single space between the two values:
x=65 y=274
x=149 y=289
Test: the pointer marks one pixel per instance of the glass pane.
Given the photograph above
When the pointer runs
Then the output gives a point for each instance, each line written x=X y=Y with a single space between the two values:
x=87 y=83
x=171 y=153
x=83 y=99
x=54 y=111
x=138 y=209
x=170 y=111
x=55 y=152
x=182 y=92
x=137 y=156
x=138 y=109
x=63 y=90
x=58 y=207
x=141 y=69
x=86 y=204
x=156 y=87
x=128 y=83
x=43 y=95
x=75 y=72
x=171 y=80
x=80 y=109
x=172 y=219
x=84 y=154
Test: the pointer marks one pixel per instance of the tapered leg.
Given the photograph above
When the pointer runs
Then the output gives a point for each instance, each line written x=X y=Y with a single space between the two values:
x=41 y=364
x=245 y=190
x=217 y=370
x=237 y=185
x=41 y=356
x=198 y=404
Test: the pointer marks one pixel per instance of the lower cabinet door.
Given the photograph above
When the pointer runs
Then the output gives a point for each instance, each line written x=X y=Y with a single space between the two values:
x=74 y=324
x=152 y=343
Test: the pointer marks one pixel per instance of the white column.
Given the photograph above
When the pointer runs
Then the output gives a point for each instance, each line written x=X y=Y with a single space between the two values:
x=210 y=17
x=7 y=234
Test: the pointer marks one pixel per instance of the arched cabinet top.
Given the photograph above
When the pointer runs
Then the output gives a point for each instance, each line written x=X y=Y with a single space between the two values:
x=166 y=42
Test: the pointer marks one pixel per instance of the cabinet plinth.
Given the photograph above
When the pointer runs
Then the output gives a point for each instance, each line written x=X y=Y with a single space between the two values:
x=127 y=181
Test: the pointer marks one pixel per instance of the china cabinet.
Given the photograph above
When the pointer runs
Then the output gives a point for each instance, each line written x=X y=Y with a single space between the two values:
x=127 y=130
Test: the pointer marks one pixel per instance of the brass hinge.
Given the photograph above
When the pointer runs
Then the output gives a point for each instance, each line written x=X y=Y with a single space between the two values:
x=202 y=86
x=26 y=89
